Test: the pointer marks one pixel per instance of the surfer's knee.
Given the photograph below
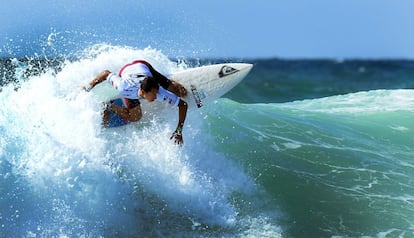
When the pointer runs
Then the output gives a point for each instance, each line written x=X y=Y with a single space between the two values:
x=136 y=118
x=135 y=114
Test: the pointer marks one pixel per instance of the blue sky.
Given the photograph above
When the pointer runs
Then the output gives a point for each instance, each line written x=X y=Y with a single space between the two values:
x=214 y=28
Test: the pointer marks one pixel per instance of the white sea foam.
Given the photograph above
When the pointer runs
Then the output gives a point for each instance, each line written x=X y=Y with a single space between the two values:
x=360 y=102
x=66 y=176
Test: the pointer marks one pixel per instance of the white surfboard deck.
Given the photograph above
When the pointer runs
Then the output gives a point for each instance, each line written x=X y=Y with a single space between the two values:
x=204 y=84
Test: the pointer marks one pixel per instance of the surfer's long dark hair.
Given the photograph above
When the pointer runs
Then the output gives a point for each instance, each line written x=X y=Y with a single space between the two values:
x=149 y=83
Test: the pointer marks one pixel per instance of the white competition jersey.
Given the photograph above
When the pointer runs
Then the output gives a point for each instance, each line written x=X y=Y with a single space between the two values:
x=128 y=88
x=129 y=79
x=135 y=70
x=167 y=97
x=129 y=83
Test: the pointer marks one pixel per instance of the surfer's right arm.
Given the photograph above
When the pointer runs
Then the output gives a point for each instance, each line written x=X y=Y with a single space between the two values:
x=98 y=79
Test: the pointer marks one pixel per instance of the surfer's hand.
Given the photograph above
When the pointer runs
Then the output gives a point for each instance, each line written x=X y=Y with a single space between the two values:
x=178 y=138
x=87 y=88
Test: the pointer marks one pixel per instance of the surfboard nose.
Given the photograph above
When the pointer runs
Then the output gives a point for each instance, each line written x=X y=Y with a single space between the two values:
x=244 y=67
x=239 y=69
x=241 y=66
x=232 y=68
x=247 y=67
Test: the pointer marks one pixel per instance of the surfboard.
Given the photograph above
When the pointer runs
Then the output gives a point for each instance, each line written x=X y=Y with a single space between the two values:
x=207 y=83
x=204 y=84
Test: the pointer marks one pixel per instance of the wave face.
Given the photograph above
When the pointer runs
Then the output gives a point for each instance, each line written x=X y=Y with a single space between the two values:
x=336 y=166
x=318 y=163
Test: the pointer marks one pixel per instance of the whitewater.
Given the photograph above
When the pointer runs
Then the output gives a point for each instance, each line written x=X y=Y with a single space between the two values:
x=63 y=175
x=335 y=166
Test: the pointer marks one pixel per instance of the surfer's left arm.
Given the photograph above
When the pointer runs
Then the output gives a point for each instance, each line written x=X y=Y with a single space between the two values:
x=177 y=88
x=182 y=113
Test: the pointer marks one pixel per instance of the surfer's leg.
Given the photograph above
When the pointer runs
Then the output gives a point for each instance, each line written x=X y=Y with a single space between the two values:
x=111 y=119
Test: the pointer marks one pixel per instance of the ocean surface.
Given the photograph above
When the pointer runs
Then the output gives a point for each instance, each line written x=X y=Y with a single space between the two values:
x=300 y=148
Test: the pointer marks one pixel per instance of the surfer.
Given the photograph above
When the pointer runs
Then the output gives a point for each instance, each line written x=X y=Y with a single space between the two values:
x=128 y=83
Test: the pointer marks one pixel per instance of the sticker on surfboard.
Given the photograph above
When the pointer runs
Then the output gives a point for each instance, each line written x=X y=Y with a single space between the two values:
x=227 y=70
x=198 y=95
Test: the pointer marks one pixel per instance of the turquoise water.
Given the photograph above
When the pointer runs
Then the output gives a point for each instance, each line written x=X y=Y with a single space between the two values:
x=298 y=149
x=332 y=171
